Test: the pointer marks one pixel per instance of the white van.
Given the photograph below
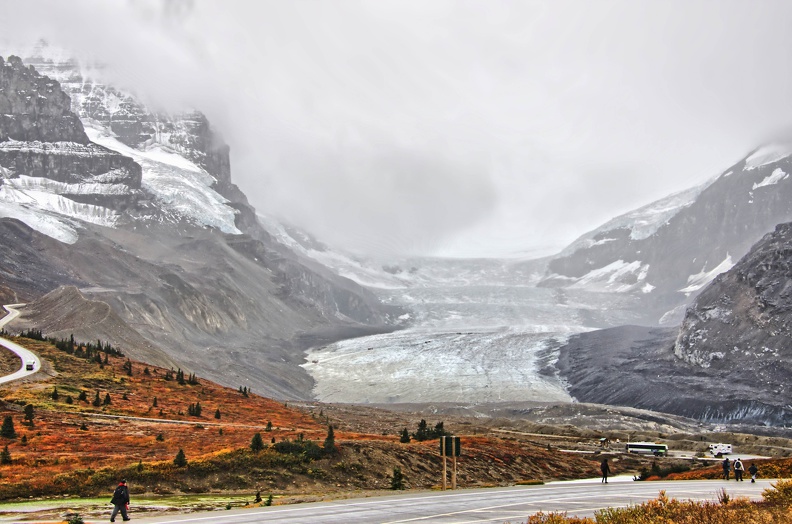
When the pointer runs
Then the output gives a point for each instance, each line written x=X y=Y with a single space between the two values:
x=720 y=449
x=30 y=365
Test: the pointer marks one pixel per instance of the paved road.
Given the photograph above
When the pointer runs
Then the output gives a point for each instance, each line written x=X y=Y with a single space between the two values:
x=24 y=354
x=480 y=506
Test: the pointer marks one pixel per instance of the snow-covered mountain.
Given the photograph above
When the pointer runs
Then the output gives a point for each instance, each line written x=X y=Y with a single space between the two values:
x=136 y=209
x=670 y=249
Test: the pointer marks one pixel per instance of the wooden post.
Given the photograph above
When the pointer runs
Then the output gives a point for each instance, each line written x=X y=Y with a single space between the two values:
x=454 y=451
x=443 y=454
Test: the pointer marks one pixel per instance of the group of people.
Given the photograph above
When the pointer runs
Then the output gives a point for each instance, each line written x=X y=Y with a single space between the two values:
x=738 y=468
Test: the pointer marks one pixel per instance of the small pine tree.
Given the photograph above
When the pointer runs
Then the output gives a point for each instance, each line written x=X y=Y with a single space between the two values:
x=180 y=461
x=197 y=409
x=97 y=400
x=268 y=502
x=7 y=429
x=217 y=414
x=397 y=481
x=29 y=414
x=160 y=437
x=140 y=466
x=69 y=399
x=422 y=433
x=55 y=393
x=5 y=456
x=257 y=444
x=124 y=396
x=269 y=426
x=154 y=403
x=180 y=377
x=329 y=443
x=146 y=371
x=24 y=440
x=83 y=427
x=83 y=396
x=107 y=399
x=405 y=437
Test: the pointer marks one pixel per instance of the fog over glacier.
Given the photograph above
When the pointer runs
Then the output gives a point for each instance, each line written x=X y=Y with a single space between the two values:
x=450 y=128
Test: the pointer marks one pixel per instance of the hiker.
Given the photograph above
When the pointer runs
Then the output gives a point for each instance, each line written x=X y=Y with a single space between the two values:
x=726 y=467
x=738 y=470
x=753 y=470
x=605 y=470
x=120 y=501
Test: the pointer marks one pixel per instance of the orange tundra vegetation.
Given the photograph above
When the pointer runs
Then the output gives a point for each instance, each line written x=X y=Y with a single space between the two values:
x=76 y=447
x=129 y=430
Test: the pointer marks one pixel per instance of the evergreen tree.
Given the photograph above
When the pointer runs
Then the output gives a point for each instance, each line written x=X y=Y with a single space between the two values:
x=128 y=367
x=217 y=414
x=198 y=409
x=405 y=436
x=83 y=427
x=422 y=433
x=69 y=399
x=180 y=461
x=55 y=393
x=83 y=396
x=97 y=400
x=5 y=456
x=146 y=371
x=107 y=399
x=397 y=481
x=180 y=377
x=106 y=359
x=269 y=426
x=7 y=430
x=268 y=502
x=329 y=443
x=29 y=415
x=154 y=403
x=257 y=444
x=24 y=440
x=438 y=431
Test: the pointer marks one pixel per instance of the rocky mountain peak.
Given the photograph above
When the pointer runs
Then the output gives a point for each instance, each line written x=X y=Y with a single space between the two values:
x=34 y=107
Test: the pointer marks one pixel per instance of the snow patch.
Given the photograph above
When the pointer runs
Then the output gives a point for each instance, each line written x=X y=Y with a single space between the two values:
x=177 y=184
x=46 y=224
x=618 y=276
x=768 y=154
x=777 y=176
x=699 y=280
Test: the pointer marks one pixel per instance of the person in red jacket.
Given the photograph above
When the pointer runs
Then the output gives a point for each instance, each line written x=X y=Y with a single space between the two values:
x=120 y=501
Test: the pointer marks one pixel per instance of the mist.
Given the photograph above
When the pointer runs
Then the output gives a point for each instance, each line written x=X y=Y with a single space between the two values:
x=448 y=128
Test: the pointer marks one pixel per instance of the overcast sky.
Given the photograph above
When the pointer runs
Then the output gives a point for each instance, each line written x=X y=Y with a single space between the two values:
x=458 y=128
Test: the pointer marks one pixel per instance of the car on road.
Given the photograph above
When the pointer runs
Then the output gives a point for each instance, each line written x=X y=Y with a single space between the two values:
x=30 y=365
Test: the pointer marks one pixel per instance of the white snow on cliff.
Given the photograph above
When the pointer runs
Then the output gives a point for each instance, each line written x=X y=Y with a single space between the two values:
x=777 y=176
x=768 y=154
x=176 y=183
x=699 y=280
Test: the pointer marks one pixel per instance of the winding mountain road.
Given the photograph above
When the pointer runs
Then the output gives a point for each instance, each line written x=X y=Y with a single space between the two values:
x=24 y=354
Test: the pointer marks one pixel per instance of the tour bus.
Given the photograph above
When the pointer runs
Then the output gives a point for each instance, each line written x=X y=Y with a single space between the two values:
x=647 y=447
x=720 y=449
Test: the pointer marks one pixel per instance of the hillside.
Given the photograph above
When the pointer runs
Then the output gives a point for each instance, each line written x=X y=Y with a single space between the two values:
x=77 y=448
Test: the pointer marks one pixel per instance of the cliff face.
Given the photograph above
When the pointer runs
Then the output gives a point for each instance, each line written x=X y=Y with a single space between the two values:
x=42 y=143
x=34 y=108
x=743 y=320
x=140 y=127
x=731 y=360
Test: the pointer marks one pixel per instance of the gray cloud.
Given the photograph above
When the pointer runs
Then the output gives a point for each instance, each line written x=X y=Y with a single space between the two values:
x=463 y=127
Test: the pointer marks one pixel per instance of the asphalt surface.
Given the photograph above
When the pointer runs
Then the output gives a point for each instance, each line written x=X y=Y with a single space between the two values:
x=480 y=506
x=24 y=354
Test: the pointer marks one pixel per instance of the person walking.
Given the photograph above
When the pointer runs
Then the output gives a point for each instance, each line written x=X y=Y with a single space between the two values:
x=726 y=468
x=605 y=468
x=753 y=470
x=738 y=470
x=120 y=501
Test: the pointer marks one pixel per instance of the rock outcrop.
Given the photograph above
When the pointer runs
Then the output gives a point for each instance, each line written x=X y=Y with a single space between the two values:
x=730 y=362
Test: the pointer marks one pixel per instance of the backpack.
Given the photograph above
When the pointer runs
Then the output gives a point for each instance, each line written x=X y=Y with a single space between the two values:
x=119 y=495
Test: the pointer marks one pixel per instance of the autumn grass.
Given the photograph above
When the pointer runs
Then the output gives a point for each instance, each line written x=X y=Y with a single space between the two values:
x=775 y=508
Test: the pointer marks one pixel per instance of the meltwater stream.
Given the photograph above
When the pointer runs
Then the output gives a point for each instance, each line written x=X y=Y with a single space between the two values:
x=467 y=343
